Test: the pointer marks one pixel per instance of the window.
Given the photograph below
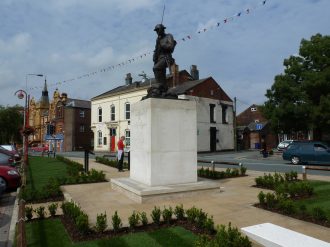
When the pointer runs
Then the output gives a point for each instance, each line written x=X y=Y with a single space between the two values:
x=82 y=128
x=100 y=115
x=212 y=115
x=253 y=108
x=82 y=113
x=128 y=138
x=224 y=114
x=113 y=113
x=127 y=111
x=104 y=141
x=319 y=148
x=59 y=112
x=99 y=140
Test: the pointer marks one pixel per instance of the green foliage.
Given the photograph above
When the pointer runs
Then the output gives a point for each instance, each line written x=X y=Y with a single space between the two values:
x=225 y=237
x=270 y=200
x=261 y=197
x=287 y=206
x=134 y=220
x=28 y=212
x=101 y=222
x=11 y=120
x=300 y=97
x=201 y=218
x=192 y=214
x=156 y=214
x=112 y=163
x=242 y=170
x=52 y=208
x=229 y=173
x=144 y=218
x=319 y=214
x=82 y=223
x=40 y=211
x=116 y=222
x=167 y=214
x=209 y=225
x=179 y=212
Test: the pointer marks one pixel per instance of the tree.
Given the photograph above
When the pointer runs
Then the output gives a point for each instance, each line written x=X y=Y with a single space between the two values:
x=299 y=99
x=11 y=121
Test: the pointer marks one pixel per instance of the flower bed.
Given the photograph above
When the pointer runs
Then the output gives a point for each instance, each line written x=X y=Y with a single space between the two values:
x=112 y=163
x=229 y=173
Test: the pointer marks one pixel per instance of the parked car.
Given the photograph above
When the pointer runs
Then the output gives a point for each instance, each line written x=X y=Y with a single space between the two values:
x=7 y=158
x=11 y=150
x=307 y=152
x=40 y=148
x=283 y=145
x=9 y=177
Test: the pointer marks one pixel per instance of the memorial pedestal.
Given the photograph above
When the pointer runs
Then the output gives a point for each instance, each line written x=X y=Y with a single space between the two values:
x=163 y=150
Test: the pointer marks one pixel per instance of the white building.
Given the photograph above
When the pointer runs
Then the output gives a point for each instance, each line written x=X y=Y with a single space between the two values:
x=111 y=111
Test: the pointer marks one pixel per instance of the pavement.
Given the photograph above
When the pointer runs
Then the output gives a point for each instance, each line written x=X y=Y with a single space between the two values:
x=234 y=203
x=6 y=210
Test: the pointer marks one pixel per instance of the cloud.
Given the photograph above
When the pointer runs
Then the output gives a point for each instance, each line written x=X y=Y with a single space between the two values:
x=16 y=44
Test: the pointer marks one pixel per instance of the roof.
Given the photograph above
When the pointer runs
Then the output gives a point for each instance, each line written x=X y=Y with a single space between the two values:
x=186 y=86
x=78 y=103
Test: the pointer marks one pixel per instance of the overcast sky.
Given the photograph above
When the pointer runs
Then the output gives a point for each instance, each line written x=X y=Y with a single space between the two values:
x=66 y=40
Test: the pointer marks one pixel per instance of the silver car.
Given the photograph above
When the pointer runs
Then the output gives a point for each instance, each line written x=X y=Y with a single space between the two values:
x=283 y=145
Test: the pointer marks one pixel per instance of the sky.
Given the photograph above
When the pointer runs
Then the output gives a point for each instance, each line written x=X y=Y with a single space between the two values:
x=85 y=48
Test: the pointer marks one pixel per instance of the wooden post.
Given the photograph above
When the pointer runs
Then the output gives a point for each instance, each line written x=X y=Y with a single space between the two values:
x=21 y=237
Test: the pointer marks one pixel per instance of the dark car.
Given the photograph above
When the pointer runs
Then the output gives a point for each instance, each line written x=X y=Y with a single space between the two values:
x=9 y=177
x=307 y=152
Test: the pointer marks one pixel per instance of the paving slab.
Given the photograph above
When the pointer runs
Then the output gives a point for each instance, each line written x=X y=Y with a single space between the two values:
x=233 y=204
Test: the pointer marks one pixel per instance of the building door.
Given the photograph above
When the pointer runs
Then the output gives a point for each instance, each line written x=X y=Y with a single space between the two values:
x=112 y=139
x=213 y=139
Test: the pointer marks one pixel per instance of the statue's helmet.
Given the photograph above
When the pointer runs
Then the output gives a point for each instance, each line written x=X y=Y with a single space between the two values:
x=159 y=27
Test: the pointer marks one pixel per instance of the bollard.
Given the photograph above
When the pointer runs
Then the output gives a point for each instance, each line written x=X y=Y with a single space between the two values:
x=304 y=174
x=128 y=160
x=213 y=166
x=86 y=160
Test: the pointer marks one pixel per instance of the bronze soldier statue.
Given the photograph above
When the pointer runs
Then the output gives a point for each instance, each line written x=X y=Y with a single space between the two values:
x=162 y=58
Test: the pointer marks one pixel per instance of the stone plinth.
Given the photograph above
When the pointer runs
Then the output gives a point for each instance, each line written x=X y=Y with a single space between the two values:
x=163 y=142
x=163 y=152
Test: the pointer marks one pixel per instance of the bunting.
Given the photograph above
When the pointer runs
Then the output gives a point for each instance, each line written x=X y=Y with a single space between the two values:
x=144 y=55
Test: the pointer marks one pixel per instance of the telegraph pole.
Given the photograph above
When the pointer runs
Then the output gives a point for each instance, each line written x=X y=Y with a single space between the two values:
x=235 y=138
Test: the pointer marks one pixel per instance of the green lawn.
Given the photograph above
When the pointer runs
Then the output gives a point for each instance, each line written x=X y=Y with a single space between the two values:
x=51 y=233
x=320 y=199
x=41 y=169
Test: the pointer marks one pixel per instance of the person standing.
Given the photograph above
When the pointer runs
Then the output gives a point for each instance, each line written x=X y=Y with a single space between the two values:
x=120 y=154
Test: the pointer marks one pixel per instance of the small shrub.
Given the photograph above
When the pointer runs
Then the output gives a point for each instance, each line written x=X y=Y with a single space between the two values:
x=192 y=214
x=134 y=220
x=116 y=222
x=101 y=222
x=209 y=225
x=242 y=170
x=319 y=214
x=201 y=218
x=179 y=212
x=234 y=172
x=144 y=219
x=228 y=172
x=155 y=215
x=52 y=208
x=29 y=212
x=270 y=200
x=261 y=197
x=40 y=211
x=167 y=214
x=82 y=223
x=303 y=210
x=287 y=206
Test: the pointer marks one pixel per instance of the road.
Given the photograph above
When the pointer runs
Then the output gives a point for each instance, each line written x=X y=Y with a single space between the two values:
x=253 y=160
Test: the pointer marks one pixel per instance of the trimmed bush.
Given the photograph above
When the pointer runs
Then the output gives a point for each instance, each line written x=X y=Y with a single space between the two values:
x=116 y=222
x=40 y=211
x=155 y=215
x=261 y=197
x=270 y=200
x=144 y=219
x=209 y=225
x=192 y=214
x=287 y=206
x=82 y=223
x=167 y=214
x=134 y=220
x=52 y=208
x=28 y=212
x=319 y=214
x=179 y=212
x=101 y=222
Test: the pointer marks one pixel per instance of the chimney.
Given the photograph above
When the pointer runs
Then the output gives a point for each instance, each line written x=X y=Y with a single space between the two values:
x=175 y=73
x=194 y=72
x=64 y=97
x=128 y=79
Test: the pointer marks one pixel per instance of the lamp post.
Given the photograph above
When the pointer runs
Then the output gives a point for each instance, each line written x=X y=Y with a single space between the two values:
x=21 y=94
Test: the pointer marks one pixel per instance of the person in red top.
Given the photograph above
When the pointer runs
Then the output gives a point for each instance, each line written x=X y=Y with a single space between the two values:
x=120 y=156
